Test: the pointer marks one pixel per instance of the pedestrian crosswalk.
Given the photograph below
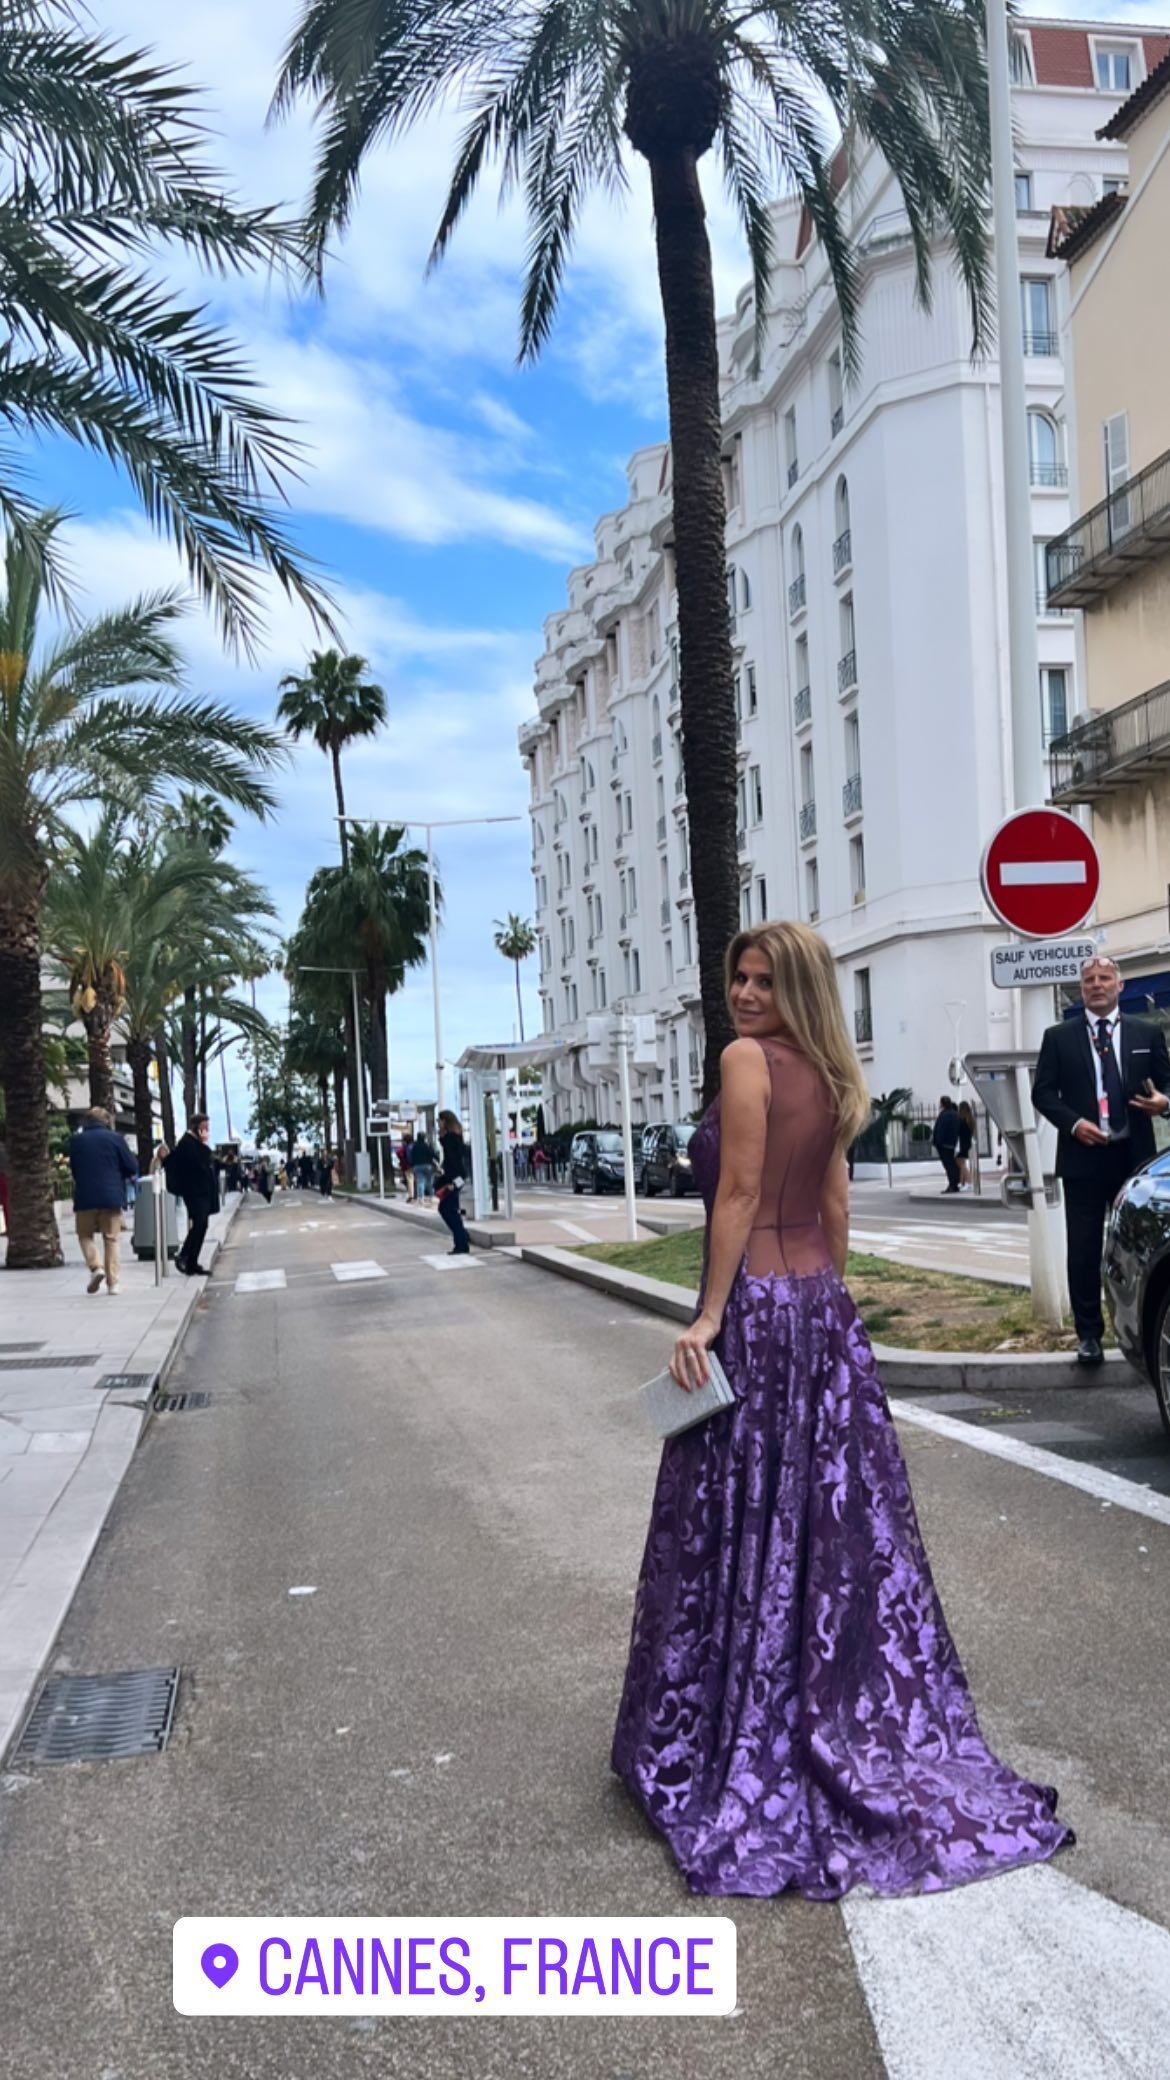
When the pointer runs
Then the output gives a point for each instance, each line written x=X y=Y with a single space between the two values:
x=363 y=1267
x=261 y=1281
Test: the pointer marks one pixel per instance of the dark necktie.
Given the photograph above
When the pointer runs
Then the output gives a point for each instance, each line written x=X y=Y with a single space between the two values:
x=1111 y=1079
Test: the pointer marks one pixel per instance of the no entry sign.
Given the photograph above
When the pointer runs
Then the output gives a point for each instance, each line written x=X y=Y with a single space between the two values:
x=1041 y=873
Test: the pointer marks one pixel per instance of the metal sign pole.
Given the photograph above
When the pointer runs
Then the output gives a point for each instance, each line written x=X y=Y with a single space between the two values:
x=381 y=1174
x=160 y=1226
x=624 y=1041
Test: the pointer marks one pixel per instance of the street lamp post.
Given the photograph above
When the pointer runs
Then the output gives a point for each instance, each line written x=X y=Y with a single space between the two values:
x=313 y=968
x=408 y=823
x=1028 y=780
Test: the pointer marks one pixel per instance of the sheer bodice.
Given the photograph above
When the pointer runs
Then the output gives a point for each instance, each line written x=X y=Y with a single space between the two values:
x=787 y=1237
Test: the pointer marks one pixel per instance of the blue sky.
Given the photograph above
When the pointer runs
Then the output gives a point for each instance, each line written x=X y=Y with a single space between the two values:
x=445 y=491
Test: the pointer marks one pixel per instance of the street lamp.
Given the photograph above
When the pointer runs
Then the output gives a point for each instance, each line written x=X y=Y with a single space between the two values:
x=1028 y=779
x=409 y=823
x=310 y=968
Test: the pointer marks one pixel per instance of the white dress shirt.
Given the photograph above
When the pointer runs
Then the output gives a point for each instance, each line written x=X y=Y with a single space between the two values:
x=1113 y=1021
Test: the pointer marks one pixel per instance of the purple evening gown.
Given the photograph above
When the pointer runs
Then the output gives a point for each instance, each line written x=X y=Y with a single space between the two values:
x=795 y=1715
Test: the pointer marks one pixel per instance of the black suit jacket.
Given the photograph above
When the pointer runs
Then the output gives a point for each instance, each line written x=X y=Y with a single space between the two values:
x=1064 y=1089
x=190 y=1173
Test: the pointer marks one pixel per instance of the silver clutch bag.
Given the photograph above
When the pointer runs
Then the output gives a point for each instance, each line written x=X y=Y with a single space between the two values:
x=671 y=1409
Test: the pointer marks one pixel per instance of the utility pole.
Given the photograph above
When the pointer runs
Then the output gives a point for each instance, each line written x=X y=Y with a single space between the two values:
x=1028 y=775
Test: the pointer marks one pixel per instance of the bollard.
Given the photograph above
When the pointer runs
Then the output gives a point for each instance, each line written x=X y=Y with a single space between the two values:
x=160 y=1226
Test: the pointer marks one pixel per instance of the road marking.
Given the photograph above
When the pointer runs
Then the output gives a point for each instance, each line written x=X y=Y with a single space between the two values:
x=1019 y=1978
x=261 y=1282
x=1108 y=1488
x=571 y=1228
x=451 y=1263
x=362 y=1267
x=270 y=1234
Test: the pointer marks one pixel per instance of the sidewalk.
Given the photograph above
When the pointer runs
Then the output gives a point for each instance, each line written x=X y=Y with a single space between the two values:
x=65 y=1442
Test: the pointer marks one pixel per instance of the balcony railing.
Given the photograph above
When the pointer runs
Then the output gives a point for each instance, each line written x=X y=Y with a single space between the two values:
x=1048 y=476
x=1130 y=527
x=851 y=796
x=863 y=1025
x=808 y=820
x=793 y=473
x=842 y=551
x=1040 y=342
x=837 y=421
x=656 y=745
x=847 y=671
x=802 y=706
x=797 y=595
x=660 y=829
x=1114 y=750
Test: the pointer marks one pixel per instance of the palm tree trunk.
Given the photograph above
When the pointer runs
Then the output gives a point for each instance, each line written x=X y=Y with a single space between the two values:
x=704 y=623
x=335 y=753
x=202 y=1059
x=97 y=1044
x=138 y=1056
x=519 y=1002
x=379 y=1037
x=166 y=1101
x=339 y=1111
x=33 y=1241
x=351 y=1074
x=323 y=1097
x=190 y=1059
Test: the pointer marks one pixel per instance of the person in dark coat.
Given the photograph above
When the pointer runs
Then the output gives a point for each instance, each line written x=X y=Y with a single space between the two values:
x=455 y=1173
x=966 y=1138
x=1101 y=1079
x=325 y=1178
x=190 y=1173
x=102 y=1167
x=422 y=1166
x=945 y=1141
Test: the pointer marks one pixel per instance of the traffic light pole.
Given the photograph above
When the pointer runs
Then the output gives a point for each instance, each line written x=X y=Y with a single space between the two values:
x=1029 y=781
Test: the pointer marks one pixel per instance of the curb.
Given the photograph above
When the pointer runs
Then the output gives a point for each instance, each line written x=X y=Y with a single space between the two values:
x=482 y=1236
x=949 y=1372
x=52 y=1569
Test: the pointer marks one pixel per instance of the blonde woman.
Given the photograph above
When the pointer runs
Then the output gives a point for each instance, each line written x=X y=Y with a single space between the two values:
x=795 y=1715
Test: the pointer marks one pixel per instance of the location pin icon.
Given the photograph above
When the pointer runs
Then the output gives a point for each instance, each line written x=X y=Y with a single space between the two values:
x=220 y=1963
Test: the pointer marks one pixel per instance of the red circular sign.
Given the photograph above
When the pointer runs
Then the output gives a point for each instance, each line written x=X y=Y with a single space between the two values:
x=1041 y=873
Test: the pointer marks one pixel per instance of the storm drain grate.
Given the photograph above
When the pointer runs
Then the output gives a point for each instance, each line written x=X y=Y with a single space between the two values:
x=45 y=1364
x=95 y=1718
x=137 y=1382
x=174 y=1404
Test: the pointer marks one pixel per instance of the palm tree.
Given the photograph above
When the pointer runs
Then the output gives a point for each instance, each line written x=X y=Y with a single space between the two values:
x=333 y=702
x=103 y=161
x=554 y=93
x=95 y=712
x=515 y=938
x=889 y=1110
x=317 y=1049
x=373 y=913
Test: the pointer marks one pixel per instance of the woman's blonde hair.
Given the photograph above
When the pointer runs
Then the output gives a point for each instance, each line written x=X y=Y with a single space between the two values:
x=804 y=985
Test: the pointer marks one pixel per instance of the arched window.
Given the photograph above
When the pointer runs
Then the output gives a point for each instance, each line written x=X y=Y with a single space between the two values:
x=656 y=716
x=842 y=531
x=796 y=586
x=797 y=552
x=1044 y=460
x=841 y=506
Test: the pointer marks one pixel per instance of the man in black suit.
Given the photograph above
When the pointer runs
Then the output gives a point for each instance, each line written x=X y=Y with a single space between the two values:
x=1101 y=1079
x=190 y=1172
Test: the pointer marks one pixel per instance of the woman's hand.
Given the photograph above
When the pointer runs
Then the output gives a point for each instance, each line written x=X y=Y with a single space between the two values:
x=688 y=1366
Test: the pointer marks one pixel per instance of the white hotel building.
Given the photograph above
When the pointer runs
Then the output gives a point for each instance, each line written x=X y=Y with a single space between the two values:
x=865 y=565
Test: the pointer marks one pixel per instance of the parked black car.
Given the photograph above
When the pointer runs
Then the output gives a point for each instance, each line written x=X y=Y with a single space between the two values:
x=1137 y=1275
x=666 y=1166
x=596 y=1161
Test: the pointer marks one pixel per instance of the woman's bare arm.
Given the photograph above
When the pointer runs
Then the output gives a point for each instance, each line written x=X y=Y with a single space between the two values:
x=834 y=1211
x=743 y=1122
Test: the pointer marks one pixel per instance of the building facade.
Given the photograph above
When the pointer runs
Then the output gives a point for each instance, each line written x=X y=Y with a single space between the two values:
x=865 y=575
x=1113 y=564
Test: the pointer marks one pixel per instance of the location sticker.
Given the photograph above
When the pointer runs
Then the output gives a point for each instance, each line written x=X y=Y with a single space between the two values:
x=220 y=1963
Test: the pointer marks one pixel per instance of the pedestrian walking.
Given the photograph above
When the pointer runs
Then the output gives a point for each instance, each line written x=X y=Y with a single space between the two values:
x=190 y=1174
x=326 y=1177
x=402 y=1153
x=1101 y=1079
x=102 y=1168
x=945 y=1141
x=963 y=1145
x=455 y=1173
x=422 y=1166
x=795 y=1715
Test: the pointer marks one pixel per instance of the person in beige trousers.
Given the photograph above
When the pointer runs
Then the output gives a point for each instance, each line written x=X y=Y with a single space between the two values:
x=102 y=1166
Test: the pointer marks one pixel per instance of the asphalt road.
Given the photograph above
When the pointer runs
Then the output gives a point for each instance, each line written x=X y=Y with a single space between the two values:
x=450 y=1460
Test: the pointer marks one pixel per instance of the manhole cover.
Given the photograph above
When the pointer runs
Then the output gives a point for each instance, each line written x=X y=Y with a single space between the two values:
x=174 y=1404
x=136 y=1382
x=94 y=1718
x=45 y=1364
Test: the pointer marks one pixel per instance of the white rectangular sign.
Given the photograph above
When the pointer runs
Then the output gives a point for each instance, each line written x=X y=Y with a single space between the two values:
x=1027 y=963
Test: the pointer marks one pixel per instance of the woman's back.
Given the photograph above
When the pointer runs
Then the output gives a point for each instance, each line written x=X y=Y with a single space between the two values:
x=801 y=1141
